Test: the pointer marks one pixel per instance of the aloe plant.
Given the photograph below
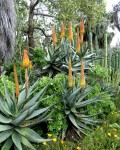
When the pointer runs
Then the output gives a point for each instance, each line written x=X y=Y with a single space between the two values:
x=19 y=115
x=75 y=107
x=54 y=59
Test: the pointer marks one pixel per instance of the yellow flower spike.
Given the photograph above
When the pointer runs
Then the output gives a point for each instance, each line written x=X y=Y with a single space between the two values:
x=54 y=36
x=81 y=37
x=49 y=135
x=82 y=28
x=78 y=148
x=44 y=143
x=82 y=79
x=78 y=42
x=115 y=135
x=70 y=76
x=109 y=134
x=16 y=82
x=26 y=61
x=70 y=32
x=62 y=30
x=54 y=140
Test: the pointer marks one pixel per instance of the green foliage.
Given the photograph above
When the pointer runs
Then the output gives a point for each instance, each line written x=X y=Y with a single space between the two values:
x=99 y=72
x=114 y=117
x=59 y=144
x=38 y=57
x=106 y=137
x=8 y=83
x=54 y=62
x=107 y=105
x=65 y=10
x=18 y=115
x=75 y=108
x=57 y=122
x=20 y=71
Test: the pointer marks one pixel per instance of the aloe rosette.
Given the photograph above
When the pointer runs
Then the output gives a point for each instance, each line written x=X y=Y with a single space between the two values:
x=18 y=115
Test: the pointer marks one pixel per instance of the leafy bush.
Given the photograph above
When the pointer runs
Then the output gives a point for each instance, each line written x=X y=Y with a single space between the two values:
x=9 y=84
x=106 y=105
x=106 y=137
x=38 y=57
x=57 y=122
x=98 y=74
x=114 y=117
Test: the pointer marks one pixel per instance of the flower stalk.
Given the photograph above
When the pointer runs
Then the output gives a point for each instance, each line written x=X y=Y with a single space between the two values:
x=17 y=90
x=54 y=36
x=62 y=30
x=82 y=78
x=70 y=32
x=78 y=42
x=70 y=76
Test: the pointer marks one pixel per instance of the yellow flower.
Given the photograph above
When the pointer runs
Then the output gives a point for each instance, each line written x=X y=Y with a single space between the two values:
x=26 y=61
x=78 y=148
x=62 y=30
x=101 y=129
x=70 y=77
x=115 y=129
x=44 y=143
x=16 y=82
x=62 y=142
x=109 y=134
x=54 y=140
x=115 y=135
x=49 y=135
x=82 y=79
x=54 y=36
x=70 y=35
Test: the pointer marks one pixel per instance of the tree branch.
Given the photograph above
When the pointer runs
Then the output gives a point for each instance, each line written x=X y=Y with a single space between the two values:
x=42 y=14
x=43 y=31
x=33 y=5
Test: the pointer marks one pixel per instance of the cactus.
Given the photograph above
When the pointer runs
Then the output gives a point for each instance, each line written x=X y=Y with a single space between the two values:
x=96 y=43
x=90 y=42
x=109 y=61
x=105 y=50
x=119 y=61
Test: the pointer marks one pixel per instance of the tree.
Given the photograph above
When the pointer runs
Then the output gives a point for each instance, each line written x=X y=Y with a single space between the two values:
x=115 y=15
x=7 y=29
x=38 y=12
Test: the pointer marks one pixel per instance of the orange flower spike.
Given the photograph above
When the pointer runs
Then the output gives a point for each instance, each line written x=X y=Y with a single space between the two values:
x=16 y=82
x=78 y=42
x=54 y=36
x=70 y=77
x=81 y=37
x=26 y=61
x=70 y=32
x=82 y=79
x=82 y=28
x=62 y=30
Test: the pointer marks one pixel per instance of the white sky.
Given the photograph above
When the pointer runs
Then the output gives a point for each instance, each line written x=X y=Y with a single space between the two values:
x=109 y=5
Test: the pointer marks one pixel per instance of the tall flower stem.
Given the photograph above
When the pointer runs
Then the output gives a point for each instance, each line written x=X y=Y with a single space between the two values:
x=26 y=80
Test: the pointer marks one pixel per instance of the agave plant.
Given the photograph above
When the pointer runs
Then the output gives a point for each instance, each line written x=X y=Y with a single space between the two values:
x=88 y=58
x=54 y=62
x=75 y=108
x=17 y=116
